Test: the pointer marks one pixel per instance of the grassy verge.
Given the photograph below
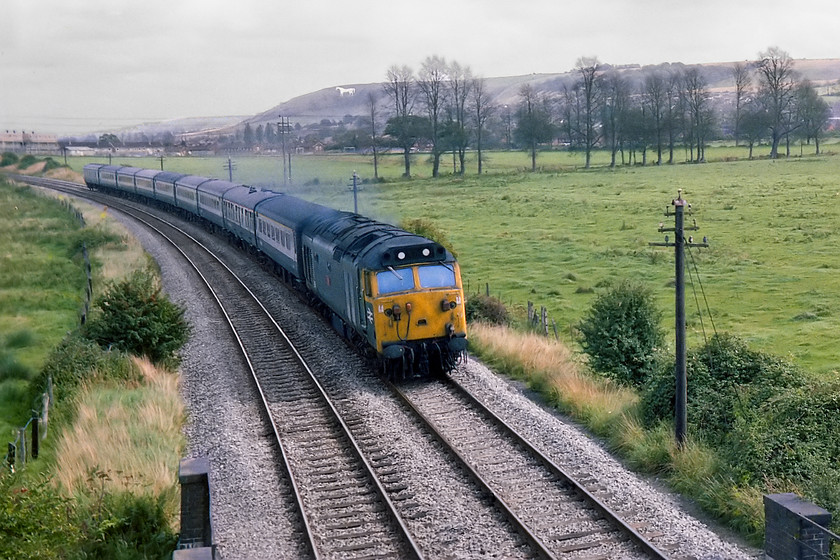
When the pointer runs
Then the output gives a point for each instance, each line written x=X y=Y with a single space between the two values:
x=697 y=470
x=105 y=483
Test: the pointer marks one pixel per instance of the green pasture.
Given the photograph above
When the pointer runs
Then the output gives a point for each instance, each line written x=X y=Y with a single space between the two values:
x=556 y=237
x=42 y=283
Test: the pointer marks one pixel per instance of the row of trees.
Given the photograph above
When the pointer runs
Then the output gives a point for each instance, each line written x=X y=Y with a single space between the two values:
x=636 y=116
x=443 y=104
x=665 y=109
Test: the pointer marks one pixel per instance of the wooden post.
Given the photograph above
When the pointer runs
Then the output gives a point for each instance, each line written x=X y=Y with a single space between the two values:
x=35 y=439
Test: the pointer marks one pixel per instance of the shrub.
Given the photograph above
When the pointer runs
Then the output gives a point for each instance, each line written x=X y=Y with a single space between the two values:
x=36 y=521
x=52 y=164
x=130 y=527
x=791 y=436
x=76 y=360
x=428 y=229
x=621 y=333
x=27 y=161
x=136 y=317
x=725 y=378
x=8 y=158
x=488 y=309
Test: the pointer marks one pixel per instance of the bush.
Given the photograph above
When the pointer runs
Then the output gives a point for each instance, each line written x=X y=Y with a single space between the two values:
x=130 y=527
x=725 y=378
x=429 y=230
x=136 y=317
x=52 y=164
x=487 y=309
x=621 y=333
x=78 y=359
x=27 y=161
x=36 y=521
x=791 y=436
x=8 y=158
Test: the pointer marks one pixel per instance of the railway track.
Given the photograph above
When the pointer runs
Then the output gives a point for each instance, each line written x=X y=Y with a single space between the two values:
x=357 y=496
x=345 y=509
x=562 y=516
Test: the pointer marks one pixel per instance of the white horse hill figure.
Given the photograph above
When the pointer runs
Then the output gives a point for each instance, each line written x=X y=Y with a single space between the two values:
x=345 y=91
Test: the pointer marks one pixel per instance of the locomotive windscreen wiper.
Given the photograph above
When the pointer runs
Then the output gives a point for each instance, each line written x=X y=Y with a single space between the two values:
x=391 y=268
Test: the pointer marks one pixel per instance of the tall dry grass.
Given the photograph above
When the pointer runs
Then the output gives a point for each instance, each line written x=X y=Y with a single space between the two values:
x=549 y=365
x=124 y=438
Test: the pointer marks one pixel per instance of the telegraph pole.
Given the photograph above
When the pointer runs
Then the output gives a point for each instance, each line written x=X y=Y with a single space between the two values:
x=230 y=166
x=679 y=245
x=284 y=127
x=355 y=193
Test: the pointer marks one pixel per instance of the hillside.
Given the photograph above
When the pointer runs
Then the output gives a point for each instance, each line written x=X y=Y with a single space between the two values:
x=328 y=103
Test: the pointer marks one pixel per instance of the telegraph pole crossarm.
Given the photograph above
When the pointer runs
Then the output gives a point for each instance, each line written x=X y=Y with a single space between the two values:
x=679 y=244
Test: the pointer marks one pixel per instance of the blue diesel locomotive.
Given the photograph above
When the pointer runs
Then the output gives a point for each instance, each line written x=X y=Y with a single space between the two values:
x=392 y=293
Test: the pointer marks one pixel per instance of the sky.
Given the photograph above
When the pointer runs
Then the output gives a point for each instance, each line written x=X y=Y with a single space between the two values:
x=74 y=66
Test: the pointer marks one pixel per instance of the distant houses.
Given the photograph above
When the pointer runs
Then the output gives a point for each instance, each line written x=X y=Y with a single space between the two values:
x=23 y=142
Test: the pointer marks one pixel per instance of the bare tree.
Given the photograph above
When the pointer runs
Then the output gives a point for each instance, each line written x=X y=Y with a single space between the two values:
x=432 y=81
x=777 y=81
x=482 y=109
x=700 y=116
x=812 y=112
x=460 y=83
x=533 y=126
x=615 y=102
x=743 y=81
x=400 y=88
x=588 y=69
x=373 y=112
x=654 y=100
x=675 y=113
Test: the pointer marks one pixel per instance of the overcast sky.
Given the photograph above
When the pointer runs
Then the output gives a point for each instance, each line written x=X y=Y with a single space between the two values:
x=71 y=66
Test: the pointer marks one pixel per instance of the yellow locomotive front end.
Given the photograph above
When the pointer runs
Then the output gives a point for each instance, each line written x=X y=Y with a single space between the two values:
x=418 y=317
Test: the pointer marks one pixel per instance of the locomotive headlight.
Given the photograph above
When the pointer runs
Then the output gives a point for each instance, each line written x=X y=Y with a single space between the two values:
x=396 y=311
x=426 y=252
x=446 y=305
x=401 y=255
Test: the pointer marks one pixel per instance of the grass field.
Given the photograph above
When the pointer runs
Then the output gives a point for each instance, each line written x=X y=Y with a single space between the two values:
x=556 y=237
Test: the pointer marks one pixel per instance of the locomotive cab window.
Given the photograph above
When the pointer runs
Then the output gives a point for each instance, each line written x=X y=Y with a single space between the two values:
x=436 y=276
x=391 y=280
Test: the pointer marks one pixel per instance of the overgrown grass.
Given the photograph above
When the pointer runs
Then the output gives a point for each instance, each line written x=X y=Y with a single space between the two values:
x=697 y=469
x=108 y=489
x=131 y=434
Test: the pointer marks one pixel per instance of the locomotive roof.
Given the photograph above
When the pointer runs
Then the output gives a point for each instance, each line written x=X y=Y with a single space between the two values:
x=377 y=245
